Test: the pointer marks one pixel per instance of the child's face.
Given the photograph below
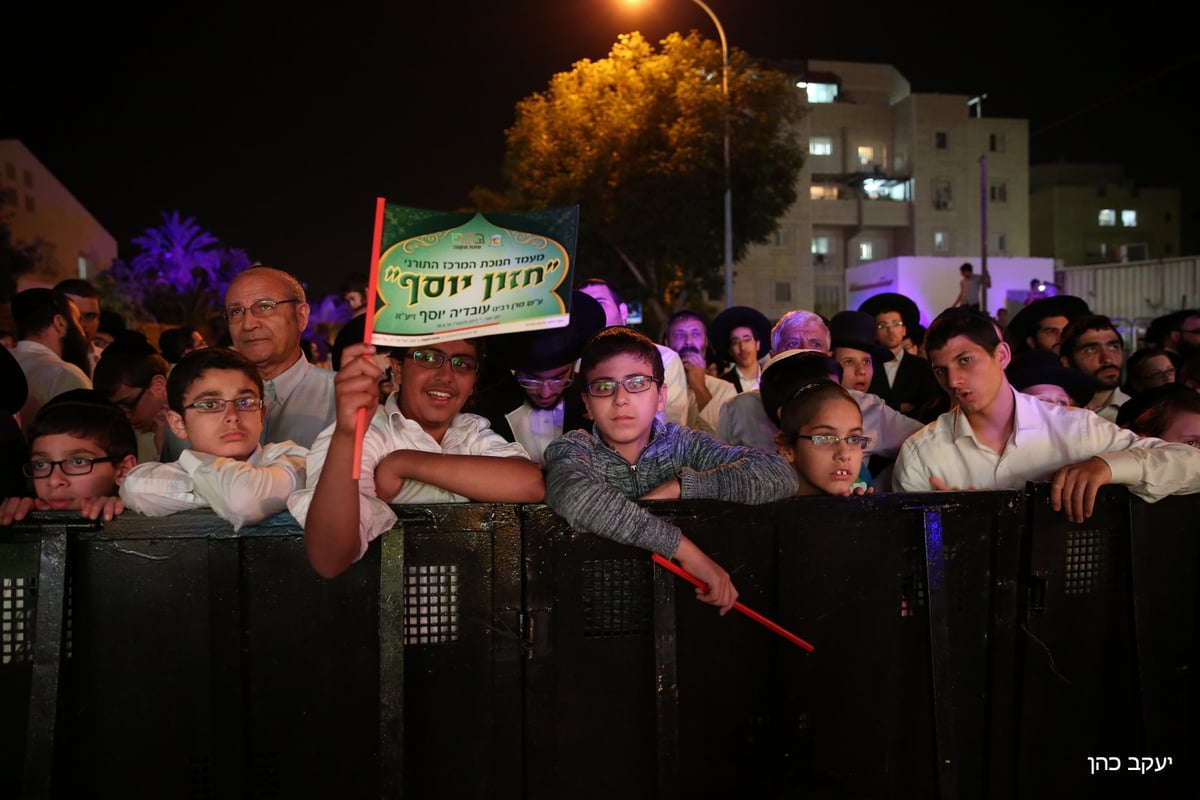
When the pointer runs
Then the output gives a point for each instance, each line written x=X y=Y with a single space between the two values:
x=229 y=432
x=63 y=491
x=142 y=406
x=431 y=394
x=825 y=469
x=624 y=418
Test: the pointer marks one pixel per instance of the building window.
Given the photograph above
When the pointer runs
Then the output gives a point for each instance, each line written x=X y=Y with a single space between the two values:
x=819 y=92
x=820 y=146
x=28 y=179
x=1108 y=218
x=29 y=203
x=781 y=238
x=941 y=242
x=996 y=142
x=941 y=140
x=783 y=292
x=866 y=155
x=998 y=193
x=820 y=192
x=820 y=245
x=865 y=249
x=1128 y=218
x=1001 y=243
x=10 y=169
x=942 y=199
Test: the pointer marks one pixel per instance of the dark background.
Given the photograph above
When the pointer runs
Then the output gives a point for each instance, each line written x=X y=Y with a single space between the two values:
x=276 y=127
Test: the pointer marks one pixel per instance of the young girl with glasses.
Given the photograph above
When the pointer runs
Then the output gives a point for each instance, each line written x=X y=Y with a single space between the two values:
x=821 y=435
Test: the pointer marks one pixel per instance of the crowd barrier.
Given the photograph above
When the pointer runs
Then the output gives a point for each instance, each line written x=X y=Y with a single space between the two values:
x=967 y=645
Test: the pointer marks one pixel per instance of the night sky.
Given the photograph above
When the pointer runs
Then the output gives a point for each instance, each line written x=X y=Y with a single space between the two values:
x=277 y=129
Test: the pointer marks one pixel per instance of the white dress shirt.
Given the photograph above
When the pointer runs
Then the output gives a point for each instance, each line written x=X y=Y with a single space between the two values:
x=47 y=375
x=534 y=428
x=706 y=418
x=1045 y=437
x=469 y=434
x=243 y=492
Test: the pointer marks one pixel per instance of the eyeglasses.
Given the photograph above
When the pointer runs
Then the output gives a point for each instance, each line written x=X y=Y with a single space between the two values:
x=432 y=359
x=257 y=309
x=553 y=384
x=1169 y=372
x=634 y=384
x=831 y=441
x=243 y=405
x=129 y=405
x=75 y=465
x=883 y=326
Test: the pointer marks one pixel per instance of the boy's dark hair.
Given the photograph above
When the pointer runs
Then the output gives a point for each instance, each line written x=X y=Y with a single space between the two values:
x=621 y=340
x=193 y=366
x=967 y=267
x=781 y=378
x=34 y=310
x=87 y=414
x=122 y=367
x=803 y=404
x=1081 y=325
x=173 y=341
x=952 y=322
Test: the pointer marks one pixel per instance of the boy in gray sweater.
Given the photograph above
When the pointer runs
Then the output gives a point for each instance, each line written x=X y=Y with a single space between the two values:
x=593 y=480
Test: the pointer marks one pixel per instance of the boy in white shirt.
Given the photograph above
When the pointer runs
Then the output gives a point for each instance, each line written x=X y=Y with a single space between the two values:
x=216 y=402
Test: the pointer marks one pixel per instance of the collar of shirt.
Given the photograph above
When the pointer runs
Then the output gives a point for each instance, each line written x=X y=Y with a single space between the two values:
x=462 y=426
x=290 y=378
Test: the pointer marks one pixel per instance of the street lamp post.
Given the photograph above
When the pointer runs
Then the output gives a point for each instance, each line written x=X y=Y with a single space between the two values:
x=728 y=188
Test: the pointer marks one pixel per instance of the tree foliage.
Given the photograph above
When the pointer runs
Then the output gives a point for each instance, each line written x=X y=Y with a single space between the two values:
x=637 y=139
x=179 y=277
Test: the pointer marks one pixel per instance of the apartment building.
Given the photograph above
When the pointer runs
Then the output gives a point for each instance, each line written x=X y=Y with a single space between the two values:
x=1097 y=214
x=888 y=173
x=38 y=208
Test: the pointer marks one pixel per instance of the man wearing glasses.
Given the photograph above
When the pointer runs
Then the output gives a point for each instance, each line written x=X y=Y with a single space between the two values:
x=536 y=398
x=906 y=383
x=267 y=313
x=419 y=447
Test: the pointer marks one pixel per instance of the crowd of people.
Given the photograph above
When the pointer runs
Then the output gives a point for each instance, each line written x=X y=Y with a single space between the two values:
x=591 y=418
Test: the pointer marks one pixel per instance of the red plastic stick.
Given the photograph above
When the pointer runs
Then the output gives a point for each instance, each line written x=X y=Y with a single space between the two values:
x=360 y=423
x=737 y=604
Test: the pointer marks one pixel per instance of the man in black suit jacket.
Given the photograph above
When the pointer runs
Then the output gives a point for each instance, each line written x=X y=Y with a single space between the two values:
x=907 y=382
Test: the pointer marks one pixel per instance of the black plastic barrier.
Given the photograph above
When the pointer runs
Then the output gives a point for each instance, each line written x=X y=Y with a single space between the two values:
x=967 y=645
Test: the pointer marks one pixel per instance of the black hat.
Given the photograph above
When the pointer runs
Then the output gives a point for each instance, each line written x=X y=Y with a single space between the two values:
x=856 y=329
x=789 y=370
x=893 y=301
x=1134 y=407
x=723 y=324
x=534 y=351
x=1025 y=322
x=1034 y=367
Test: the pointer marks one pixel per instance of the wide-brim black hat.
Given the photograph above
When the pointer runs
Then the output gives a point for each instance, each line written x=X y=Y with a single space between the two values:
x=535 y=351
x=856 y=330
x=1036 y=367
x=1025 y=322
x=893 y=301
x=720 y=329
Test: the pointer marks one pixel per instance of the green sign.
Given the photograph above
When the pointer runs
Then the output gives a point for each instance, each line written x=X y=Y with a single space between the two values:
x=446 y=275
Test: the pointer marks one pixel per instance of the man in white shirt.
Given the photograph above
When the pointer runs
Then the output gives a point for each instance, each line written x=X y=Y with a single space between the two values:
x=535 y=398
x=998 y=438
x=267 y=313
x=616 y=313
x=47 y=326
x=686 y=335
x=87 y=298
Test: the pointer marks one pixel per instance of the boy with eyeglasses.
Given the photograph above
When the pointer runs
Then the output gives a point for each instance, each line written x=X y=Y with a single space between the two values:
x=593 y=480
x=81 y=447
x=216 y=403
x=419 y=447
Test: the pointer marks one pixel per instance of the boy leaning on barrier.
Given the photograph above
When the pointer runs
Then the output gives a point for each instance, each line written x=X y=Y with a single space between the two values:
x=215 y=397
x=593 y=479
x=81 y=447
x=419 y=447
x=998 y=438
